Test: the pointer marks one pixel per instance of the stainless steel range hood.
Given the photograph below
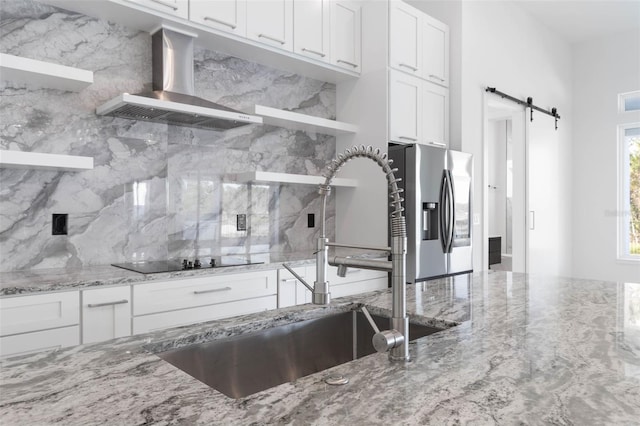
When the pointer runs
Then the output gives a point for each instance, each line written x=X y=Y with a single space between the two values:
x=173 y=99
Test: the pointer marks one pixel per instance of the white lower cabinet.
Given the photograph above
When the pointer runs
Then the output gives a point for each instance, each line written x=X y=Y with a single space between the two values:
x=356 y=281
x=106 y=313
x=178 y=302
x=162 y=320
x=39 y=341
x=292 y=292
x=39 y=322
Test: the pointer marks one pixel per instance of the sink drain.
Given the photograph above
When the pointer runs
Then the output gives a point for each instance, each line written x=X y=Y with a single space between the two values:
x=336 y=380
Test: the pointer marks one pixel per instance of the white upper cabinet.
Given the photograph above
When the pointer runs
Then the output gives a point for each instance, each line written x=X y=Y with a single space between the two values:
x=311 y=28
x=405 y=107
x=224 y=15
x=179 y=8
x=346 y=46
x=405 y=43
x=418 y=43
x=418 y=110
x=271 y=22
x=435 y=58
x=435 y=115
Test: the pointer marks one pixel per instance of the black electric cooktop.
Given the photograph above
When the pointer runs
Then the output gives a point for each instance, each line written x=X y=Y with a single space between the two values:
x=157 y=266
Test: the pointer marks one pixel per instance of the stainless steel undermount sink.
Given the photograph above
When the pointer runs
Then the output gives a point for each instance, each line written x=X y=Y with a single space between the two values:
x=242 y=365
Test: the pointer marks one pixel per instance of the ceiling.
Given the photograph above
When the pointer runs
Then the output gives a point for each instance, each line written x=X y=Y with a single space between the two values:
x=581 y=20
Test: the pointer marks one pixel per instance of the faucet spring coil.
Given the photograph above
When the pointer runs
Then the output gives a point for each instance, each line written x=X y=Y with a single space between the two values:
x=398 y=227
x=381 y=158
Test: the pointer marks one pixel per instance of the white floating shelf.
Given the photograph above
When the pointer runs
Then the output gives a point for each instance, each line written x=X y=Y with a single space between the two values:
x=40 y=161
x=292 y=178
x=297 y=121
x=43 y=74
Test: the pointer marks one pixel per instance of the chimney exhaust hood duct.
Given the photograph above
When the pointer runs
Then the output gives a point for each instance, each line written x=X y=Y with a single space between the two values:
x=173 y=99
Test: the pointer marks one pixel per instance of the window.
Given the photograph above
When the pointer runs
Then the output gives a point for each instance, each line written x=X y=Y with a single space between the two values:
x=628 y=102
x=629 y=185
x=629 y=176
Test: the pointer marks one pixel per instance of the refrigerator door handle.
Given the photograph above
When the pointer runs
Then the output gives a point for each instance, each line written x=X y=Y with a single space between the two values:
x=452 y=211
x=443 y=211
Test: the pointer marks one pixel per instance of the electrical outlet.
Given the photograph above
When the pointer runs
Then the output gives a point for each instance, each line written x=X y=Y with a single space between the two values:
x=59 y=224
x=311 y=220
x=241 y=222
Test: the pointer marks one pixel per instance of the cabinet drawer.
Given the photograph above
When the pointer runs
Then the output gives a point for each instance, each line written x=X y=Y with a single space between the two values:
x=24 y=314
x=188 y=293
x=39 y=341
x=164 y=320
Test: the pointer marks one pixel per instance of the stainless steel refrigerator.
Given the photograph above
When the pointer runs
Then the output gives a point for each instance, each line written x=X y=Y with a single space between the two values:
x=438 y=193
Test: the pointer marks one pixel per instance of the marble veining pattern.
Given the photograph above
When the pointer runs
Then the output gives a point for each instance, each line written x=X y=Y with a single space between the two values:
x=527 y=350
x=157 y=191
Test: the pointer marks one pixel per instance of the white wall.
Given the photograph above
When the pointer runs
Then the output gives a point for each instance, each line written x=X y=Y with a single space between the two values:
x=504 y=47
x=602 y=69
x=362 y=212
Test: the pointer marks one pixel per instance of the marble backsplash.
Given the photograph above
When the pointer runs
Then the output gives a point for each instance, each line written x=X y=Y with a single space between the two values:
x=157 y=191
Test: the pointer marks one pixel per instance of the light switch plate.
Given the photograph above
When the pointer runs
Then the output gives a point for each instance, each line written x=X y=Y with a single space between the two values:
x=241 y=222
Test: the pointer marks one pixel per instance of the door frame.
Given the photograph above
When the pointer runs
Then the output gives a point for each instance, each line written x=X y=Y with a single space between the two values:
x=497 y=101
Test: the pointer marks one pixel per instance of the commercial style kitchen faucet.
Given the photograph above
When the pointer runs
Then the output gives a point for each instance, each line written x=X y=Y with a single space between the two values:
x=395 y=340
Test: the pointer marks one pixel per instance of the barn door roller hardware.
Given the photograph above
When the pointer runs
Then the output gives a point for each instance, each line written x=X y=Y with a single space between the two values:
x=527 y=104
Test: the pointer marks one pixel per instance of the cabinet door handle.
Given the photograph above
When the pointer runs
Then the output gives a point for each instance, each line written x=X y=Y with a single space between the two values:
x=98 y=305
x=532 y=220
x=342 y=61
x=160 y=2
x=268 y=37
x=220 y=21
x=444 y=145
x=315 y=52
x=213 y=290
x=436 y=77
x=408 y=66
x=408 y=138
x=288 y=280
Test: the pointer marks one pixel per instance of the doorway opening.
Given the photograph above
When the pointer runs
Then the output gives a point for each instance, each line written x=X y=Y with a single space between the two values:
x=504 y=185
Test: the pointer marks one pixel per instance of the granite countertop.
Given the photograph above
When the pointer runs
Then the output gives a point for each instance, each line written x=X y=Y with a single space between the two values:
x=525 y=350
x=60 y=279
